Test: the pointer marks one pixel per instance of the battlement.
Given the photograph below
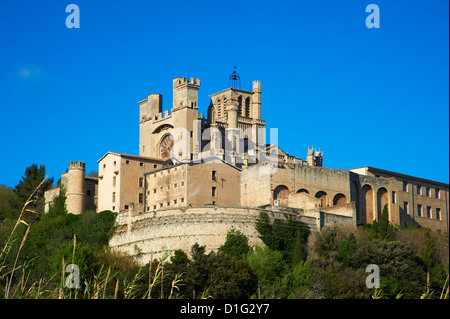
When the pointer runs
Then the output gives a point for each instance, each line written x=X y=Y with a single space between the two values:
x=314 y=157
x=180 y=82
x=257 y=86
x=76 y=165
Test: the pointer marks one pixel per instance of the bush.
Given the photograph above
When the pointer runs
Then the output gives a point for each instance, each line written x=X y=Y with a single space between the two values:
x=400 y=268
x=236 y=244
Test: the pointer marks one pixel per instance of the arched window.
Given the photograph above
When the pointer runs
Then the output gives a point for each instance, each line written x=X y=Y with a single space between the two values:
x=247 y=107
x=339 y=199
x=240 y=105
x=219 y=108
x=323 y=198
x=224 y=111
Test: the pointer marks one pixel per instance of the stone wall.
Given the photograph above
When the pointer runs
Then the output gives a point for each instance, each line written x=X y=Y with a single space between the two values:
x=170 y=229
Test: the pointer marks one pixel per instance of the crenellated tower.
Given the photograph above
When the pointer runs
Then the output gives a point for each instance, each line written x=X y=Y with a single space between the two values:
x=75 y=187
x=185 y=93
x=314 y=157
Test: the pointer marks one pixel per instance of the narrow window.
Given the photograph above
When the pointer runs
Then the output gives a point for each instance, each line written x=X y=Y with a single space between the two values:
x=436 y=193
x=214 y=191
x=141 y=182
x=427 y=191
x=214 y=175
x=428 y=212
x=438 y=213
x=393 y=197
x=419 y=189
x=405 y=207
x=182 y=200
x=114 y=197
x=114 y=181
x=419 y=210
x=141 y=198
x=405 y=186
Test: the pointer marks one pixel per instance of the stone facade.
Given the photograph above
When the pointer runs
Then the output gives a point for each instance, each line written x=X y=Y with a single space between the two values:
x=195 y=178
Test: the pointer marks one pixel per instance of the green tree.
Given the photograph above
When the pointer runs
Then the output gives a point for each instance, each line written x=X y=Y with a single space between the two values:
x=383 y=228
x=33 y=176
x=8 y=202
x=347 y=249
x=229 y=277
x=83 y=258
x=58 y=206
x=197 y=272
x=326 y=241
x=401 y=270
x=268 y=265
x=94 y=228
x=288 y=237
x=236 y=244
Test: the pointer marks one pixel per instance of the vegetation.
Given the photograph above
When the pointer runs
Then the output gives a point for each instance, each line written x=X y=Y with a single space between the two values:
x=36 y=249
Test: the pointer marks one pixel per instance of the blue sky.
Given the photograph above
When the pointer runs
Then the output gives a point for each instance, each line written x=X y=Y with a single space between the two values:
x=376 y=97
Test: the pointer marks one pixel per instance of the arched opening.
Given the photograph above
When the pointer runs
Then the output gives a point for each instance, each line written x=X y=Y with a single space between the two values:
x=247 y=107
x=281 y=193
x=219 y=108
x=367 y=204
x=339 y=199
x=323 y=198
x=382 y=199
x=302 y=190
x=240 y=111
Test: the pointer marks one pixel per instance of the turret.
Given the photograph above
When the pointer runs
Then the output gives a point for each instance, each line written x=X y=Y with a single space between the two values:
x=150 y=107
x=256 y=100
x=314 y=157
x=75 y=194
x=185 y=93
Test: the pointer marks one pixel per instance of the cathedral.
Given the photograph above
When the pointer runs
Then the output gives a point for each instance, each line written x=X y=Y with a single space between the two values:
x=197 y=177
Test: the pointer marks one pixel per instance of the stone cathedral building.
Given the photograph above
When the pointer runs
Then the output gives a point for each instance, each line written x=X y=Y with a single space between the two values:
x=197 y=177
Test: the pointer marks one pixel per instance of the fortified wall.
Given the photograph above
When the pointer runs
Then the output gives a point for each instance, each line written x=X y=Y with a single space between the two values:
x=170 y=229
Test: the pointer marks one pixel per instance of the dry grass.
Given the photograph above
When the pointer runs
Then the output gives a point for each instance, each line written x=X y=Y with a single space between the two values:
x=27 y=208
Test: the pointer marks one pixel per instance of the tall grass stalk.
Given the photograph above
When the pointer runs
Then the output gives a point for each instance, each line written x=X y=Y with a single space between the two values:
x=27 y=208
